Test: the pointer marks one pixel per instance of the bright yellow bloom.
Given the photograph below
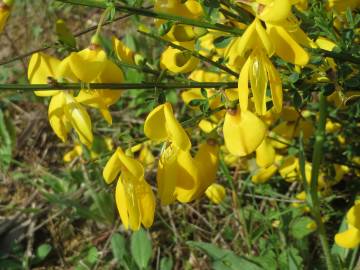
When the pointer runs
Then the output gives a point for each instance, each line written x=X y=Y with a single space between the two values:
x=189 y=9
x=243 y=132
x=161 y=125
x=351 y=237
x=265 y=154
x=123 y=52
x=65 y=112
x=182 y=177
x=259 y=70
x=273 y=11
x=216 y=193
x=134 y=198
x=179 y=61
x=264 y=174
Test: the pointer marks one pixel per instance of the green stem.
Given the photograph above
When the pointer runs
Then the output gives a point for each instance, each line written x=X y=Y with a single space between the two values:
x=193 y=53
x=116 y=86
x=157 y=15
x=101 y=21
x=313 y=192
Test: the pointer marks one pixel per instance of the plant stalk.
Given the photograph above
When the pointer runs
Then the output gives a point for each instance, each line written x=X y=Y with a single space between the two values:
x=115 y=86
x=314 y=201
x=157 y=15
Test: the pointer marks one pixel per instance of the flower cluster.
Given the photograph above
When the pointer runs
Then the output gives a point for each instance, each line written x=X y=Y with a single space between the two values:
x=250 y=126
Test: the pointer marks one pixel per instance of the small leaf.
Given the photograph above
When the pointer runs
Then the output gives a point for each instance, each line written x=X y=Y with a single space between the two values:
x=118 y=247
x=43 y=251
x=166 y=263
x=141 y=248
x=92 y=255
x=300 y=227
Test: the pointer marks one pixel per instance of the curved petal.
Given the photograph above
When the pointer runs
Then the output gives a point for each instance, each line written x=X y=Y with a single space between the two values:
x=167 y=175
x=178 y=61
x=130 y=165
x=187 y=181
x=216 y=193
x=42 y=66
x=353 y=216
x=147 y=204
x=112 y=168
x=276 y=11
x=87 y=64
x=286 y=47
x=79 y=119
x=243 y=132
x=155 y=125
x=175 y=131
x=123 y=52
x=258 y=80
x=207 y=162
x=56 y=116
x=243 y=86
x=264 y=38
x=121 y=203
x=264 y=174
x=265 y=154
x=275 y=85
x=349 y=238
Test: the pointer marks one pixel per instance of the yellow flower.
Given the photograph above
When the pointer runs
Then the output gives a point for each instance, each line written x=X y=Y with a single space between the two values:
x=179 y=61
x=259 y=70
x=65 y=112
x=182 y=177
x=161 y=125
x=216 y=193
x=351 y=237
x=122 y=51
x=134 y=198
x=189 y=9
x=265 y=154
x=5 y=7
x=243 y=132
x=275 y=11
x=264 y=174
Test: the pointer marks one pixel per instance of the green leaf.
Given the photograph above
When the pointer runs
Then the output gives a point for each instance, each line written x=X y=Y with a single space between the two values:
x=141 y=248
x=118 y=247
x=166 y=263
x=299 y=227
x=225 y=259
x=92 y=255
x=43 y=251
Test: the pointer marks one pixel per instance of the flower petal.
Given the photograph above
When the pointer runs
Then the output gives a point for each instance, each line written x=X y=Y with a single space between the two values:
x=41 y=67
x=286 y=47
x=349 y=238
x=79 y=119
x=265 y=154
x=243 y=132
x=56 y=116
x=87 y=64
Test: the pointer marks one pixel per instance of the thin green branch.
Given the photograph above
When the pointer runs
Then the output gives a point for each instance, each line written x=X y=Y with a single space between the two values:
x=193 y=53
x=157 y=15
x=317 y=159
x=116 y=86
